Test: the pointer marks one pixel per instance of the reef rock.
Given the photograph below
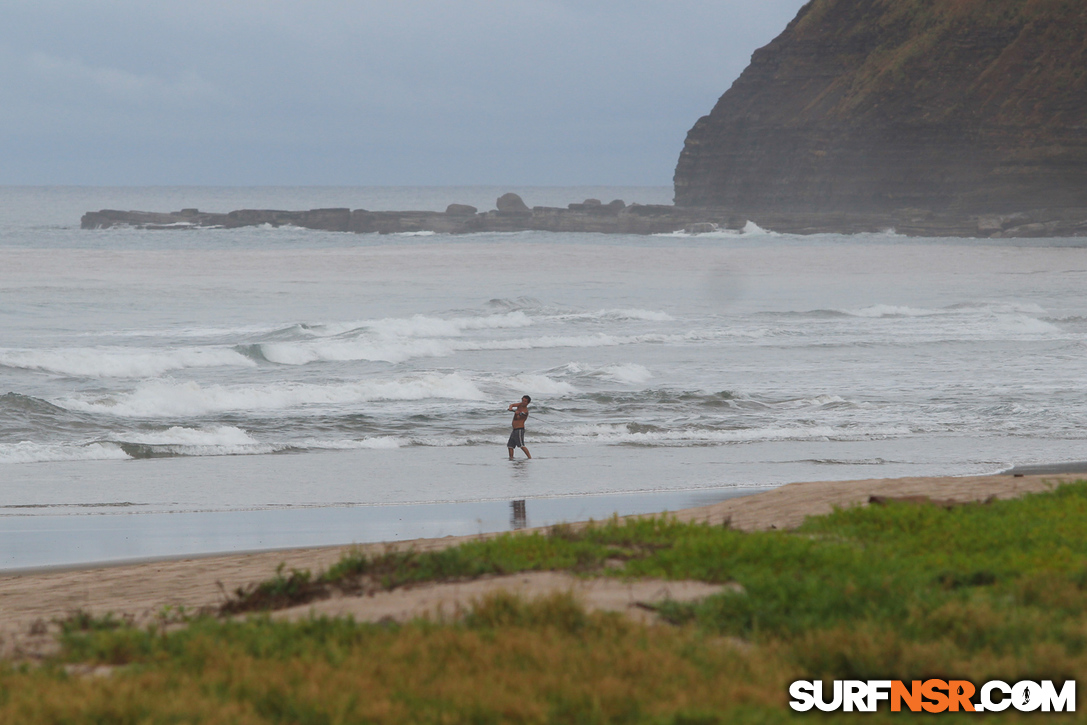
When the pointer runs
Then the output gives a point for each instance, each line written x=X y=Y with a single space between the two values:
x=511 y=215
x=511 y=204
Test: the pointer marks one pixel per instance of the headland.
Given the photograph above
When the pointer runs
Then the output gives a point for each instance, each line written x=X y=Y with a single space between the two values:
x=958 y=119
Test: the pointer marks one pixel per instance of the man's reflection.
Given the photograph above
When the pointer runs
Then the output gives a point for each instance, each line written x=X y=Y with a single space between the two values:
x=518 y=517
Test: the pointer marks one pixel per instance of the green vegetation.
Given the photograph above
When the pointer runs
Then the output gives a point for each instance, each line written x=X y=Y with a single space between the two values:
x=972 y=49
x=903 y=591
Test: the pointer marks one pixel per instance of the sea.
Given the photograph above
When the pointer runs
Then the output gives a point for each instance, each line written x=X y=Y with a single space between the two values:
x=187 y=391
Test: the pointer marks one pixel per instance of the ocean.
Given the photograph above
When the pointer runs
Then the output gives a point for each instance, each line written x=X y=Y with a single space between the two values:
x=188 y=391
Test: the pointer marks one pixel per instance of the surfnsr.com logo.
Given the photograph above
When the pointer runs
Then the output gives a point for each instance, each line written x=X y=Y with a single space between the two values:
x=933 y=696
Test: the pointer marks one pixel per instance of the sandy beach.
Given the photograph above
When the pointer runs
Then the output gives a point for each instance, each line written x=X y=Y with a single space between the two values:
x=29 y=602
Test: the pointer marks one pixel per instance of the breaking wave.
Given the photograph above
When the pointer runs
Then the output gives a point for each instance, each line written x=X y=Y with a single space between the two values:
x=221 y=440
x=749 y=229
x=894 y=311
x=121 y=362
x=613 y=315
x=376 y=443
x=628 y=434
x=221 y=435
x=31 y=452
x=165 y=398
x=538 y=384
x=401 y=350
x=419 y=325
x=627 y=373
x=27 y=404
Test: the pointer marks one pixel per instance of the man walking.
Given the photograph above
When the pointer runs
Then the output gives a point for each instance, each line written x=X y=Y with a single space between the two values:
x=520 y=415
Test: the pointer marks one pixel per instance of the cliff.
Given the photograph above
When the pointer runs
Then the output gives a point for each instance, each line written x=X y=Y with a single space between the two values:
x=956 y=113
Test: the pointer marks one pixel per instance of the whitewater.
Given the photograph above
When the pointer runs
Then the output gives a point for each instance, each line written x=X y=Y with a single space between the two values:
x=200 y=372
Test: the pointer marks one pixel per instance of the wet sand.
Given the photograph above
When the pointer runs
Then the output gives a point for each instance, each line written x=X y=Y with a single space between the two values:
x=29 y=602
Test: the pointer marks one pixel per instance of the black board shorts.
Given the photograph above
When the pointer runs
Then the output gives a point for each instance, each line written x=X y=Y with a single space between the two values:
x=517 y=438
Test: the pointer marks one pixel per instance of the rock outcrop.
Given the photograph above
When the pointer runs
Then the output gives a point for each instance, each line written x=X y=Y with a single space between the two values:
x=930 y=116
x=511 y=204
x=510 y=215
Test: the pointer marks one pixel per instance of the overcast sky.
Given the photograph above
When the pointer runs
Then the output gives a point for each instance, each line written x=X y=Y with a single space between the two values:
x=340 y=92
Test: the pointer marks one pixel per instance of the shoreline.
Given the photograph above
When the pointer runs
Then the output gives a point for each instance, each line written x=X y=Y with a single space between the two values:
x=47 y=542
x=143 y=590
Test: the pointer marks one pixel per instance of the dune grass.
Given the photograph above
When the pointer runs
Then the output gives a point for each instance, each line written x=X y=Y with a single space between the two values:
x=996 y=591
x=508 y=661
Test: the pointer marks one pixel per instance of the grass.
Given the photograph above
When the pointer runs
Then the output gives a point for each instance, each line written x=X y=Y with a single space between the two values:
x=948 y=60
x=995 y=591
x=508 y=661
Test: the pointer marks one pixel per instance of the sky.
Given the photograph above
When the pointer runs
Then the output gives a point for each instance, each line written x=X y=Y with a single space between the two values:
x=355 y=92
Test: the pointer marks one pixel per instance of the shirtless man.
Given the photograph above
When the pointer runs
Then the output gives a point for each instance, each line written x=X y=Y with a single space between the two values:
x=520 y=414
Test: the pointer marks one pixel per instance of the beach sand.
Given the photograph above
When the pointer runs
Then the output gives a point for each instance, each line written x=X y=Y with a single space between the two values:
x=30 y=602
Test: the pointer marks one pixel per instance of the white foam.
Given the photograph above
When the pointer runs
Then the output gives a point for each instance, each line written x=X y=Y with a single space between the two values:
x=401 y=350
x=817 y=401
x=254 y=449
x=636 y=314
x=392 y=340
x=549 y=341
x=621 y=434
x=1024 y=325
x=757 y=333
x=419 y=325
x=597 y=430
x=303 y=353
x=893 y=311
x=538 y=385
x=167 y=398
x=719 y=233
x=617 y=314
x=220 y=435
x=456 y=441
x=631 y=373
x=377 y=443
x=30 y=452
x=1025 y=308
x=753 y=228
x=974 y=309
x=622 y=372
x=750 y=228
x=395 y=442
x=423 y=326
x=380 y=443
x=188 y=332
x=119 y=362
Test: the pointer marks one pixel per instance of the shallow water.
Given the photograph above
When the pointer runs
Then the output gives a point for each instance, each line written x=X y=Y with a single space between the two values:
x=280 y=369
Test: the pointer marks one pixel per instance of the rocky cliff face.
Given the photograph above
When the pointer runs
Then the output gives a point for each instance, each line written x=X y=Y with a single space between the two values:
x=946 y=107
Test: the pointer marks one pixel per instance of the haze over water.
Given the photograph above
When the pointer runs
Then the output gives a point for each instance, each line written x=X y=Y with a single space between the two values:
x=289 y=369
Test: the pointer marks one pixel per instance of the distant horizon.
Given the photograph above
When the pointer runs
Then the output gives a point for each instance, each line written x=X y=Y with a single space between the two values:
x=364 y=94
